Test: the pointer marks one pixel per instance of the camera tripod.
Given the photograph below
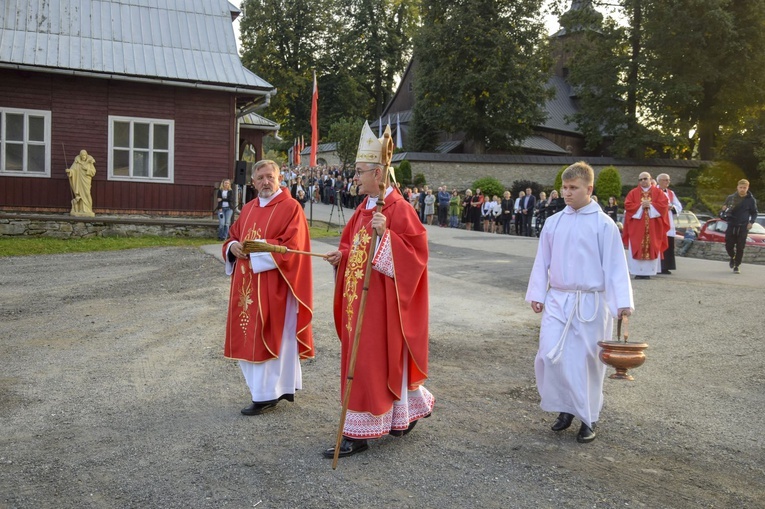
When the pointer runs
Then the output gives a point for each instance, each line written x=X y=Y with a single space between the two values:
x=340 y=213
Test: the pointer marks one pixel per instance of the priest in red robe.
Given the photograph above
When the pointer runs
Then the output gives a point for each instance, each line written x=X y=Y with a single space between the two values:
x=387 y=394
x=645 y=228
x=268 y=329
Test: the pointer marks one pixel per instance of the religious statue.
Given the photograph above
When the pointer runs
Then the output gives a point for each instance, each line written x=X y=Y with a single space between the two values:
x=80 y=175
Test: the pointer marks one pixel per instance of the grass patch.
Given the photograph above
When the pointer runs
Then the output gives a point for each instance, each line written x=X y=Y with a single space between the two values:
x=15 y=246
x=25 y=246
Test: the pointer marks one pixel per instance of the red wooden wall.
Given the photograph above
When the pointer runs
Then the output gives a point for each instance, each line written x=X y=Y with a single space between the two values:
x=80 y=109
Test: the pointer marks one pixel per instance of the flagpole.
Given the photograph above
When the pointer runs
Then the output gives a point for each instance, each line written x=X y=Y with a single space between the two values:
x=314 y=122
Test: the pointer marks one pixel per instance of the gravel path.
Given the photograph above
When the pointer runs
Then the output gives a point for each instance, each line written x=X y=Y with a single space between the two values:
x=114 y=393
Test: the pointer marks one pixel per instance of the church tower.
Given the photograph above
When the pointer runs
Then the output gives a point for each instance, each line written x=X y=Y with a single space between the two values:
x=578 y=19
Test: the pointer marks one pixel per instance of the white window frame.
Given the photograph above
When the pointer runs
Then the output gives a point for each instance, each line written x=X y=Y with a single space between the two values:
x=26 y=142
x=170 y=149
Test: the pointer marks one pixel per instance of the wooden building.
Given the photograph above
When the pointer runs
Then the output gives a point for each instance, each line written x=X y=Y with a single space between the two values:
x=158 y=96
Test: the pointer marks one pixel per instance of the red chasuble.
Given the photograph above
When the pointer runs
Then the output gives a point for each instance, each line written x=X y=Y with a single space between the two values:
x=647 y=237
x=396 y=315
x=257 y=302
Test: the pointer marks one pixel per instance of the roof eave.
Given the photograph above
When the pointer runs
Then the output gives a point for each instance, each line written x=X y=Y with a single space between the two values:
x=233 y=88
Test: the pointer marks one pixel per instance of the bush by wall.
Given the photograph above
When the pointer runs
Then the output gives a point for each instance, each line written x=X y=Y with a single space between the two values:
x=489 y=186
x=404 y=173
x=608 y=183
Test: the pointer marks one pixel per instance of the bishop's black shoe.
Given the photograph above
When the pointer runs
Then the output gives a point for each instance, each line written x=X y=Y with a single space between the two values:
x=586 y=434
x=642 y=277
x=562 y=422
x=402 y=432
x=348 y=447
x=259 y=408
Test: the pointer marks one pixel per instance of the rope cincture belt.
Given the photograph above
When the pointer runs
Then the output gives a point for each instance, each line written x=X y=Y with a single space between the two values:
x=555 y=354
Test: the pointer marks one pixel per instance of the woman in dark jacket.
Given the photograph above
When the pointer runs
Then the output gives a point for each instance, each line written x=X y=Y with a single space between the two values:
x=475 y=209
x=612 y=209
x=466 y=209
x=225 y=208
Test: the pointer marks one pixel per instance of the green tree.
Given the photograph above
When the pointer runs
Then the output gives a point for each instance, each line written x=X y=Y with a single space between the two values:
x=489 y=186
x=282 y=42
x=374 y=45
x=494 y=55
x=608 y=183
x=671 y=79
x=358 y=48
x=706 y=64
x=345 y=132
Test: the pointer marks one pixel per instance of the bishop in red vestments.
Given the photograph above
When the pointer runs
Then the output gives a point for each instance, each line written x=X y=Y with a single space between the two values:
x=645 y=227
x=387 y=395
x=271 y=301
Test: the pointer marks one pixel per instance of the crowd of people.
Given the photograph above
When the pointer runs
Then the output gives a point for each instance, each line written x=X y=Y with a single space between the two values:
x=649 y=238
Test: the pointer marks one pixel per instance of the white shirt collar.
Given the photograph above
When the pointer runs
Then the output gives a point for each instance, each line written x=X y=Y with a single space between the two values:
x=372 y=200
x=266 y=201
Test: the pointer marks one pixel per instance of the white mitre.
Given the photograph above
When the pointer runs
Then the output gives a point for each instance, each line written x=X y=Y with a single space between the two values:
x=370 y=147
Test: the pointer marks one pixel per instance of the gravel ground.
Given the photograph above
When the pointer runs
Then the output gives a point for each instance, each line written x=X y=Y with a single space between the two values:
x=114 y=393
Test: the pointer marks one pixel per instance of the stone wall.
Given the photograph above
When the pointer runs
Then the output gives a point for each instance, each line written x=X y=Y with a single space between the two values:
x=462 y=175
x=62 y=228
x=716 y=251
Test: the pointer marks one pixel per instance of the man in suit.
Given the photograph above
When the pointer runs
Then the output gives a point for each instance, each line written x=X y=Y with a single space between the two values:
x=528 y=212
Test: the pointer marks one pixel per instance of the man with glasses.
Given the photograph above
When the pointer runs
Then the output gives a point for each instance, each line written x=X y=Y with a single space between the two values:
x=645 y=227
x=387 y=396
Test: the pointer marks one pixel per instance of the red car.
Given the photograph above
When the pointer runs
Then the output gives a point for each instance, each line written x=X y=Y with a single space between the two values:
x=714 y=231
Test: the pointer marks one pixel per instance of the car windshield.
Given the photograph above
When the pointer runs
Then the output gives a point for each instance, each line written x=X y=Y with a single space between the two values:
x=758 y=229
x=686 y=219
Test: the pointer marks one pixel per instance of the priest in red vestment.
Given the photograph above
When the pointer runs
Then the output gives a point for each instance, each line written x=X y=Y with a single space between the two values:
x=645 y=227
x=387 y=394
x=268 y=329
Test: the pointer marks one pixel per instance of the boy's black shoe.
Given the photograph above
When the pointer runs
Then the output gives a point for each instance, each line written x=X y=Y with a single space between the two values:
x=586 y=434
x=562 y=422
x=259 y=408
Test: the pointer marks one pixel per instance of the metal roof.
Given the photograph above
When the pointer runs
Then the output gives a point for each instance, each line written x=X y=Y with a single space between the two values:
x=159 y=40
x=321 y=148
x=562 y=105
x=447 y=146
x=255 y=121
x=539 y=143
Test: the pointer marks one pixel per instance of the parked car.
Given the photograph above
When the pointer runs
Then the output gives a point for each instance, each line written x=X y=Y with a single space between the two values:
x=703 y=218
x=714 y=231
x=686 y=220
x=760 y=219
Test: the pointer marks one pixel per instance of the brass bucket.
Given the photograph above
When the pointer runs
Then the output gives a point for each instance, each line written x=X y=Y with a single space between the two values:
x=622 y=355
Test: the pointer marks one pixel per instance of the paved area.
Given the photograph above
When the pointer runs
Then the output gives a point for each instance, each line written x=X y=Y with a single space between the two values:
x=114 y=393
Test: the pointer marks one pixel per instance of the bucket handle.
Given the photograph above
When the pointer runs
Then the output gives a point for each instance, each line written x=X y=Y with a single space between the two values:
x=619 y=328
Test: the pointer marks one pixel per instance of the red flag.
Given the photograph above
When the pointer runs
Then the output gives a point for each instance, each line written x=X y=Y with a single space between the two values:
x=314 y=121
x=297 y=151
